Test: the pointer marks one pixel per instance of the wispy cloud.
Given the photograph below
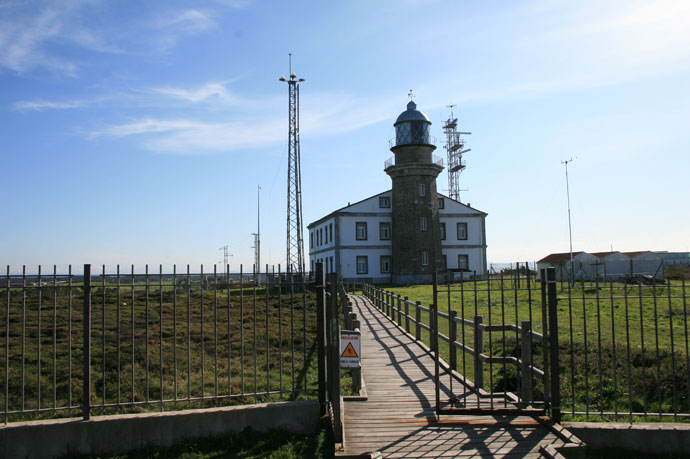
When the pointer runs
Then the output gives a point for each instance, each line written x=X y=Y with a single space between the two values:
x=321 y=114
x=172 y=26
x=188 y=136
x=29 y=31
x=40 y=105
x=549 y=47
x=204 y=92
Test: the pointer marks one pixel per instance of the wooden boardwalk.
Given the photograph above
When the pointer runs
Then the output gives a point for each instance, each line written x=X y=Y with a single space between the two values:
x=398 y=419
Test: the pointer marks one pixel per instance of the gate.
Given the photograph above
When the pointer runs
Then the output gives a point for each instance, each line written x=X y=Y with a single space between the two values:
x=504 y=361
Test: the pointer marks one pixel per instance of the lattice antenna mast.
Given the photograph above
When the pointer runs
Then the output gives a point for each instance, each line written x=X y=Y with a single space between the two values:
x=295 y=245
x=226 y=257
x=257 y=235
x=455 y=145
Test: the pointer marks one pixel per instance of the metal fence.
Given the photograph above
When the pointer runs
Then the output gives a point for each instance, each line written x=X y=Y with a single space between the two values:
x=116 y=341
x=621 y=350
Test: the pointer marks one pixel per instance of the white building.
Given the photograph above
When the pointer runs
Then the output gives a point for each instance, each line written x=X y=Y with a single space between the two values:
x=605 y=266
x=434 y=232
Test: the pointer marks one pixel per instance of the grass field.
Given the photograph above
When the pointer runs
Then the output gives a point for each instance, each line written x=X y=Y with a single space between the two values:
x=187 y=345
x=622 y=347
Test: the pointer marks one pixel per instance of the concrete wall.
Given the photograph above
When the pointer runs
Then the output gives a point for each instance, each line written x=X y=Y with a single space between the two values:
x=652 y=438
x=107 y=434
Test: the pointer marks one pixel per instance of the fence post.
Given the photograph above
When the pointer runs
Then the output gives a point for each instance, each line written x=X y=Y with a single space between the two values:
x=526 y=358
x=553 y=345
x=86 y=381
x=434 y=340
x=407 y=315
x=333 y=349
x=418 y=319
x=545 y=342
x=399 y=310
x=321 y=333
x=452 y=337
x=478 y=350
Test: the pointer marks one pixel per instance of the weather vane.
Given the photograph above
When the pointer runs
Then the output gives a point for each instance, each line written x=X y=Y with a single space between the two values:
x=410 y=95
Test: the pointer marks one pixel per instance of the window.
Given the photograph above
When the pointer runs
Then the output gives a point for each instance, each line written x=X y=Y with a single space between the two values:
x=422 y=223
x=385 y=264
x=311 y=240
x=445 y=262
x=441 y=203
x=330 y=230
x=384 y=231
x=463 y=262
x=443 y=231
x=361 y=231
x=462 y=231
x=362 y=265
x=422 y=189
x=320 y=236
x=312 y=266
x=384 y=202
x=332 y=270
x=425 y=258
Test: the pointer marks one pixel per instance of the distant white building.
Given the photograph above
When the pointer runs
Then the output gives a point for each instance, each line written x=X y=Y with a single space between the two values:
x=605 y=266
x=675 y=258
x=404 y=234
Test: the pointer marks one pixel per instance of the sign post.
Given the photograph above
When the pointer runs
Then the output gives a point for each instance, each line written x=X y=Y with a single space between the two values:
x=350 y=349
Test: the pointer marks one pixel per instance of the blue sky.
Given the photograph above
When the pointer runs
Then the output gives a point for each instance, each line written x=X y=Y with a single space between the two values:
x=138 y=132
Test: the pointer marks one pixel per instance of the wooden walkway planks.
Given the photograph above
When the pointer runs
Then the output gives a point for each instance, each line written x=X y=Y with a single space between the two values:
x=398 y=419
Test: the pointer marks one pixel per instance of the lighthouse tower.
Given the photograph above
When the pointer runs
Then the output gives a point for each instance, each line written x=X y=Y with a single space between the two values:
x=416 y=237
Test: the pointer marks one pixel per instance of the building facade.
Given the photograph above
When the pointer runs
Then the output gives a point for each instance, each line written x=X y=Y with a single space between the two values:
x=406 y=233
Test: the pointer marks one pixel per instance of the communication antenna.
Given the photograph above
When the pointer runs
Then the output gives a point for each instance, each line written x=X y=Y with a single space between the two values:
x=570 y=228
x=295 y=245
x=226 y=256
x=257 y=235
x=455 y=145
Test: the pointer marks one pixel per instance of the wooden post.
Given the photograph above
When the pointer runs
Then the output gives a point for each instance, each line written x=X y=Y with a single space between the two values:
x=545 y=342
x=526 y=367
x=453 y=337
x=553 y=345
x=407 y=315
x=333 y=335
x=478 y=350
x=321 y=333
x=418 y=320
x=399 y=310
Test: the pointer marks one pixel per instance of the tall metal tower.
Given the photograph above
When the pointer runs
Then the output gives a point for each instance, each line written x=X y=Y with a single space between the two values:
x=257 y=235
x=295 y=246
x=454 y=146
x=226 y=255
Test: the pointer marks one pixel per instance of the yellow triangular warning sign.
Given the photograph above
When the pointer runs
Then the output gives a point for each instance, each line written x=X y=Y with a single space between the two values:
x=349 y=351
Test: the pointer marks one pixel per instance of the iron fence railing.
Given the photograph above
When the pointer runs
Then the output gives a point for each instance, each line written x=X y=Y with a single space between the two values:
x=115 y=341
x=622 y=350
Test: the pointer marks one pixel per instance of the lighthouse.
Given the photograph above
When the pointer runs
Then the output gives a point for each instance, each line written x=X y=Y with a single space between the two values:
x=416 y=237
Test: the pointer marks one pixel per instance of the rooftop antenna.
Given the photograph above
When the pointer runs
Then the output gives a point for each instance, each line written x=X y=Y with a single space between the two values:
x=455 y=145
x=570 y=228
x=295 y=245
